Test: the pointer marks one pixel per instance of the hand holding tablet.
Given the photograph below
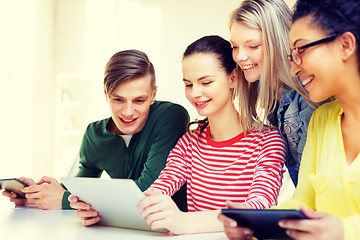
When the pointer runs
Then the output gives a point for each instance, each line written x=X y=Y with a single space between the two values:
x=13 y=185
x=115 y=200
x=263 y=222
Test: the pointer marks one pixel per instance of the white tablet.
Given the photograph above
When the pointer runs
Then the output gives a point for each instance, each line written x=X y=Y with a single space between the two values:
x=114 y=199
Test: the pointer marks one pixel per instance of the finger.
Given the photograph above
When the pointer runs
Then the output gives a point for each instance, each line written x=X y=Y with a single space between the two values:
x=231 y=204
x=151 y=192
x=32 y=189
x=9 y=194
x=80 y=205
x=238 y=233
x=18 y=201
x=305 y=225
x=149 y=201
x=146 y=212
x=35 y=201
x=159 y=216
x=48 y=180
x=227 y=221
x=298 y=234
x=159 y=224
x=35 y=195
x=90 y=221
x=231 y=229
x=297 y=225
x=311 y=213
x=73 y=198
x=28 y=181
x=86 y=213
x=158 y=206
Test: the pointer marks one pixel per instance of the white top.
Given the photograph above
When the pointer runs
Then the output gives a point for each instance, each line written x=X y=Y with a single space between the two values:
x=127 y=139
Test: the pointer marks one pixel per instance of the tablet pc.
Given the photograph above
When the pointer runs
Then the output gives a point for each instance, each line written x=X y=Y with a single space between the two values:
x=114 y=199
x=264 y=222
x=13 y=185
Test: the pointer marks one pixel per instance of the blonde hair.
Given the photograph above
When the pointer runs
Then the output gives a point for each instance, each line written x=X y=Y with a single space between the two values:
x=257 y=100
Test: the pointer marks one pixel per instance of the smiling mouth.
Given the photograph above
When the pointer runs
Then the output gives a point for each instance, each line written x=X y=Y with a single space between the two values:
x=248 y=67
x=202 y=104
x=306 y=80
x=128 y=121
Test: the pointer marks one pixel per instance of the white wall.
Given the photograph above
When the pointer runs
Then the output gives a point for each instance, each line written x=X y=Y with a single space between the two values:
x=19 y=74
x=42 y=38
x=89 y=32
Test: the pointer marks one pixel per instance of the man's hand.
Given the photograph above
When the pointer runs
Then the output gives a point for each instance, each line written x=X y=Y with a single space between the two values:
x=13 y=197
x=88 y=216
x=46 y=194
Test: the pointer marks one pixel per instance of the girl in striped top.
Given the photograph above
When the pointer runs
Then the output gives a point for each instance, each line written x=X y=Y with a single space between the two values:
x=221 y=159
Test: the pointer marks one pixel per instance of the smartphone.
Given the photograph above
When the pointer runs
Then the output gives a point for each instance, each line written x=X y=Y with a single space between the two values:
x=13 y=185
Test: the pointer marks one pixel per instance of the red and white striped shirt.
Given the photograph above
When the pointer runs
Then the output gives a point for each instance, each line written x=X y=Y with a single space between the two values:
x=245 y=169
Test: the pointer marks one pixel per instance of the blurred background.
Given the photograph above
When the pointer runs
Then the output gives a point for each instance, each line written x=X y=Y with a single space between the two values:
x=53 y=54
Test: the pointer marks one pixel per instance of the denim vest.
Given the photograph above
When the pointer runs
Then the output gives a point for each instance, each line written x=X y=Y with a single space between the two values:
x=293 y=116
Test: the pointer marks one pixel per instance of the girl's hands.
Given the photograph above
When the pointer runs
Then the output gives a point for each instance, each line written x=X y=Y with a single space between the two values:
x=232 y=231
x=319 y=226
x=160 y=211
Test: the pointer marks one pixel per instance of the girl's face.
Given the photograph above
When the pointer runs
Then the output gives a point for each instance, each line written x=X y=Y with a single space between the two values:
x=321 y=64
x=247 y=50
x=207 y=85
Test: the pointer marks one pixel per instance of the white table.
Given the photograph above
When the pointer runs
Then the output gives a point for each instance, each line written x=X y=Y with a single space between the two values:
x=18 y=223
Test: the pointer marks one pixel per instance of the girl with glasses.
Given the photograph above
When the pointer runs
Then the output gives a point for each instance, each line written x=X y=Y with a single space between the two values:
x=328 y=192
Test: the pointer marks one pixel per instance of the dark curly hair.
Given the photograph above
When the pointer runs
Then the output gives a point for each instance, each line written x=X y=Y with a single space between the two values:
x=333 y=16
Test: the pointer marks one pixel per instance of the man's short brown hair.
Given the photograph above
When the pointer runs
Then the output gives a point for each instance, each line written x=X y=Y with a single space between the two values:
x=126 y=66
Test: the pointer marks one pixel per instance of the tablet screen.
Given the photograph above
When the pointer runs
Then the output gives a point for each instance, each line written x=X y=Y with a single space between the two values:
x=263 y=222
x=114 y=199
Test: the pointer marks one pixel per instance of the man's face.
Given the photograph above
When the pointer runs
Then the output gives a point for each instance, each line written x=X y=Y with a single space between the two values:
x=130 y=105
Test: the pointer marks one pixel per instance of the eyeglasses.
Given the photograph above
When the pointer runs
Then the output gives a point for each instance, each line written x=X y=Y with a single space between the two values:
x=295 y=54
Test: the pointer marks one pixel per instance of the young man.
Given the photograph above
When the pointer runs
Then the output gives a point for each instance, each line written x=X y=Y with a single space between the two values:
x=133 y=143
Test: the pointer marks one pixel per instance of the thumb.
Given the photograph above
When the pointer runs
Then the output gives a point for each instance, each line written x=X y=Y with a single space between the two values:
x=151 y=192
x=230 y=204
x=28 y=181
x=73 y=198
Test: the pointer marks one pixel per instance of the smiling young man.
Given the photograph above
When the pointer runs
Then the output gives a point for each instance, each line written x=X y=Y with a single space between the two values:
x=133 y=143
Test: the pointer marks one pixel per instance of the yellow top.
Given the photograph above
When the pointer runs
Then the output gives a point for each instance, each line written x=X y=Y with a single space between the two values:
x=326 y=182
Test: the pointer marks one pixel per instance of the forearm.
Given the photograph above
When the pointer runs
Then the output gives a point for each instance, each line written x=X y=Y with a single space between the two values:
x=266 y=182
x=200 y=222
x=173 y=176
x=265 y=187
